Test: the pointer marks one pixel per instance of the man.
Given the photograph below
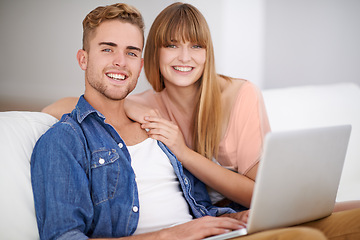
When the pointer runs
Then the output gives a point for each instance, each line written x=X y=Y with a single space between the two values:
x=82 y=175
x=89 y=182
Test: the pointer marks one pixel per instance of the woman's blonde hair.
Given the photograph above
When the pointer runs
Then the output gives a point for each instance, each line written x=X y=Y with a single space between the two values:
x=120 y=11
x=183 y=22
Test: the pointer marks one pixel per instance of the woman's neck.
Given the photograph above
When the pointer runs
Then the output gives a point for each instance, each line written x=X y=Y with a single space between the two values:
x=183 y=98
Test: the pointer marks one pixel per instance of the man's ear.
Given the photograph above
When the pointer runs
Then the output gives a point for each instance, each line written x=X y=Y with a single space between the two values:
x=142 y=65
x=82 y=57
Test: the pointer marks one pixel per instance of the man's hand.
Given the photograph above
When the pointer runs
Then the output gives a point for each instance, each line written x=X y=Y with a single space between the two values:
x=201 y=228
x=196 y=229
x=240 y=216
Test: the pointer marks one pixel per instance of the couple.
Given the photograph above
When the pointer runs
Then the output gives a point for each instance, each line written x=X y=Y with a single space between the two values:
x=97 y=173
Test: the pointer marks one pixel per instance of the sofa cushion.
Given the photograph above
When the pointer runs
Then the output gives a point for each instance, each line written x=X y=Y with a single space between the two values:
x=19 y=133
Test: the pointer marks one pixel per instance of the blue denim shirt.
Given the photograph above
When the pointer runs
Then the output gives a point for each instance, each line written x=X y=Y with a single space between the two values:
x=84 y=185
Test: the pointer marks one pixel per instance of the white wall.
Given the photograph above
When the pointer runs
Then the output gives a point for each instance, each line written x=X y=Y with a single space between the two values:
x=38 y=44
x=39 y=40
x=311 y=42
x=274 y=43
x=237 y=28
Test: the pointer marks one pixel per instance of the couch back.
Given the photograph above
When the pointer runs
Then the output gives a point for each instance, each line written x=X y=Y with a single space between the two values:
x=288 y=108
x=19 y=132
x=318 y=106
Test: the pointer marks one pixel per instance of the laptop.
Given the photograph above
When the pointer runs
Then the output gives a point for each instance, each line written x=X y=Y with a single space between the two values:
x=297 y=179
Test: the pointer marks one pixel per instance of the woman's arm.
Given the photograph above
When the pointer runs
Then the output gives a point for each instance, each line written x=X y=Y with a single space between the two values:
x=60 y=107
x=249 y=124
x=213 y=175
x=137 y=111
x=196 y=229
x=135 y=107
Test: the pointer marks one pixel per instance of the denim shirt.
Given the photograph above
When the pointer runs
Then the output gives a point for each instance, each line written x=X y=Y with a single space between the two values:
x=84 y=185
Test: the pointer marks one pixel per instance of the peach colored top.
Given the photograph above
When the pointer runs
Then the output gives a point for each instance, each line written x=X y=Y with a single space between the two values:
x=241 y=145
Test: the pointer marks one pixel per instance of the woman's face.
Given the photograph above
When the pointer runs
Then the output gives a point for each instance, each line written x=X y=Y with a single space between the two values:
x=182 y=63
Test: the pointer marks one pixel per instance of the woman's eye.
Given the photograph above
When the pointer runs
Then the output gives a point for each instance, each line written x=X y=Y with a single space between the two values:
x=197 y=46
x=171 y=46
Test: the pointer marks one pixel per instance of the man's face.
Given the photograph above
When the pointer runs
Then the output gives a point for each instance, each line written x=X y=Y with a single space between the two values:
x=113 y=62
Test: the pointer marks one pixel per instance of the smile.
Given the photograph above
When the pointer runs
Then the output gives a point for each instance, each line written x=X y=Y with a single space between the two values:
x=116 y=76
x=183 y=69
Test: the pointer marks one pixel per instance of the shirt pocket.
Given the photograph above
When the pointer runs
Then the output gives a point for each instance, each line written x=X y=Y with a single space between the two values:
x=105 y=172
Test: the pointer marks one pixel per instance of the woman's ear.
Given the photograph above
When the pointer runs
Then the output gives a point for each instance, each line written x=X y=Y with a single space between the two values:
x=82 y=57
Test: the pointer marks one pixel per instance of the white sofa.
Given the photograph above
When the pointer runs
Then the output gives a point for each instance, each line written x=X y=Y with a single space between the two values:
x=288 y=108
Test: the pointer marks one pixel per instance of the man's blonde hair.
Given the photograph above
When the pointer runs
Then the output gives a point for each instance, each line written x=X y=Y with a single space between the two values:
x=119 y=11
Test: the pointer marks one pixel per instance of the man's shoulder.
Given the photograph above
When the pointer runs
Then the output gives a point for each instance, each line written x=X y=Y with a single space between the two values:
x=65 y=128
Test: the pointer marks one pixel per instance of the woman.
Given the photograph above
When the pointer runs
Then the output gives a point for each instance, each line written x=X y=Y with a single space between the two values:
x=220 y=117
x=197 y=113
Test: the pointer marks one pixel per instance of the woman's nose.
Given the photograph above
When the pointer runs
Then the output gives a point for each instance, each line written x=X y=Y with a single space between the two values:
x=184 y=54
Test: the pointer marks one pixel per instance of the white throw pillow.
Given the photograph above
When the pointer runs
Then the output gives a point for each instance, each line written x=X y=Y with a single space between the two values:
x=19 y=132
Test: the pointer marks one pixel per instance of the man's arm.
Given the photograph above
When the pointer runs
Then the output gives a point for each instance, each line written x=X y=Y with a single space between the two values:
x=60 y=184
x=196 y=229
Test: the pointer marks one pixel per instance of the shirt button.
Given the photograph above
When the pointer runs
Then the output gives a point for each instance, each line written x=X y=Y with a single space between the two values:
x=101 y=161
x=121 y=145
x=135 y=209
x=186 y=181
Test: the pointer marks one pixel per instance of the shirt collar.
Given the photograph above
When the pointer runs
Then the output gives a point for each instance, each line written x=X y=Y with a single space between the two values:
x=84 y=109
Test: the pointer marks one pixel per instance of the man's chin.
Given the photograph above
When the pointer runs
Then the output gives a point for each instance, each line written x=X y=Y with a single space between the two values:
x=117 y=96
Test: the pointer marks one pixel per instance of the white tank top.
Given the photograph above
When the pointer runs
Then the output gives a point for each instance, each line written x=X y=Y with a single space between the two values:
x=162 y=203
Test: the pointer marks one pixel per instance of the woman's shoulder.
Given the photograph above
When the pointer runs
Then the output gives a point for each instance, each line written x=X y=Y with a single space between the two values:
x=147 y=97
x=234 y=87
x=151 y=99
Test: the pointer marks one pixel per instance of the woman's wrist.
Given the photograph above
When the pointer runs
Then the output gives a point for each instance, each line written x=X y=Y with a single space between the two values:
x=185 y=156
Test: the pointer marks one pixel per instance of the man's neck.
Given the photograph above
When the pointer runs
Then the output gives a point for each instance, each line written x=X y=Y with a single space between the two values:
x=115 y=115
x=113 y=110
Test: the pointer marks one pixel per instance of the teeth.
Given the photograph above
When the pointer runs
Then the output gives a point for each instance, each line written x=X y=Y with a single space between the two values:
x=183 y=69
x=116 y=76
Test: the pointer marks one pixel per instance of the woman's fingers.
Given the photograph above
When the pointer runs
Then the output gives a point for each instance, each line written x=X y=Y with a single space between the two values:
x=166 y=132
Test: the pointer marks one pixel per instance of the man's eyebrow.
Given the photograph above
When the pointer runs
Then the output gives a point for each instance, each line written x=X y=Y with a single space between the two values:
x=134 y=48
x=108 y=43
x=111 y=44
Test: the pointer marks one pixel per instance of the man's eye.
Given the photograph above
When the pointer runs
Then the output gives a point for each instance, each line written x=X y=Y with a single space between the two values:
x=132 y=54
x=106 y=50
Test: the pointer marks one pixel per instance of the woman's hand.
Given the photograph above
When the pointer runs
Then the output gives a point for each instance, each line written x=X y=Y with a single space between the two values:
x=137 y=112
x=167 y=132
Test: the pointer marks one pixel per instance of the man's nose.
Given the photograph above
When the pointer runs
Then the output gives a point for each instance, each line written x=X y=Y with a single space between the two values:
x=120 y=60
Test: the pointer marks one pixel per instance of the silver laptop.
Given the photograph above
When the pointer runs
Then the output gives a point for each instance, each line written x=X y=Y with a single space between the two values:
x=297 y=179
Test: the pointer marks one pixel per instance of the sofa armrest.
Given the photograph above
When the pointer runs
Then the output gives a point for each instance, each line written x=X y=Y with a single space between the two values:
x=19 y=133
